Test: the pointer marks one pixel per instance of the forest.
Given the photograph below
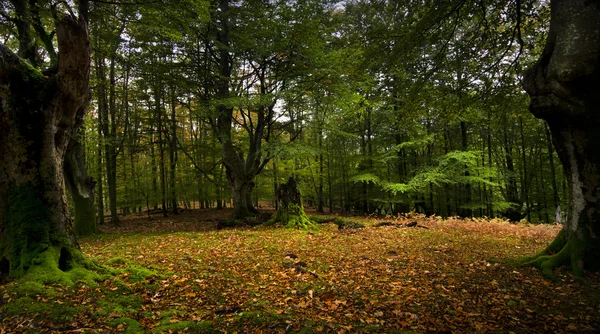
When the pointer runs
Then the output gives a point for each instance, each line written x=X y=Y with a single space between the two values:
x=374 y=107
x=152 y=153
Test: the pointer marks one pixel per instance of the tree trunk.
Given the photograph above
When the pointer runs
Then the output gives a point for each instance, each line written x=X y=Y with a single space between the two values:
x=240 y=171
x=173 y=154
x=564 y=86
x=525 y=176
x=465 y=212
x=99 y=174
x=38 y=116
x=241 y=191
x=81 y=187
x=291 y=211
x=110 y=142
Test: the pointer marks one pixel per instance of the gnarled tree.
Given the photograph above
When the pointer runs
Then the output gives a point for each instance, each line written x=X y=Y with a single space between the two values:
x=38 y=115
x=564 y=86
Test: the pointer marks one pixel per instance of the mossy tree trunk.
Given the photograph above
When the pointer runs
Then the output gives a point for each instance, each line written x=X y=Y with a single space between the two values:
x=564 y=86
x=81 y=187
x=38 y=115
x=291 y=211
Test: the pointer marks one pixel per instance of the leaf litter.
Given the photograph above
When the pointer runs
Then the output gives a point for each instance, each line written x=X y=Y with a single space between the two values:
x=181 y=274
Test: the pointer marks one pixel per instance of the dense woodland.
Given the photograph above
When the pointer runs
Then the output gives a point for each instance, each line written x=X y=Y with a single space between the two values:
x=374 y=106
x=420 y=129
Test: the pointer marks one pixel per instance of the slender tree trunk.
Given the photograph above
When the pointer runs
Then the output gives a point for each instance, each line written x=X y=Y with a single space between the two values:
x=22 y=21
x=564 y=86
x=99 y=174
x=161 y=150
x=275 y=184
x=110 y=142
x=489 y=156
x=153 y=168
x=38 y=116
x=467 y=189
x=514 y=212
x=525 y=178
x=173 y=154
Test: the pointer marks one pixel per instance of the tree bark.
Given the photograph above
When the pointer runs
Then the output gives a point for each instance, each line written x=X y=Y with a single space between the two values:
x=291 y=211
x=38 y=116
x=173 y=154
x=240 y=170
x=81 y=187
x=563 y=86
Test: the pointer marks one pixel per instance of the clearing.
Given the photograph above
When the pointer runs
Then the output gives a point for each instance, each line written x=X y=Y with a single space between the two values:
x=182 y=274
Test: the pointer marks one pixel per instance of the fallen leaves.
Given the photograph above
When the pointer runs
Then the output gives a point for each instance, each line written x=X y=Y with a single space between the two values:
x=449 y=277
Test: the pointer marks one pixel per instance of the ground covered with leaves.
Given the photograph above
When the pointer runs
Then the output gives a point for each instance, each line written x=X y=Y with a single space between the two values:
x=182 y=274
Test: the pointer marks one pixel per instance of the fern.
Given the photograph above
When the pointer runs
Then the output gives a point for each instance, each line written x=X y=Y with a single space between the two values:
x=366 y=178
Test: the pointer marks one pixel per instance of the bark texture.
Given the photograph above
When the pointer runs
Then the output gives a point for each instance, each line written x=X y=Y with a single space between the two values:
x=38 y=115
x=564 y=86
x=240 y=170
x=81 y=187
x=291 y=211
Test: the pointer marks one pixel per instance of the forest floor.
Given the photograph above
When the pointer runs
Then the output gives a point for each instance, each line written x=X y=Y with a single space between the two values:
x=181 y=274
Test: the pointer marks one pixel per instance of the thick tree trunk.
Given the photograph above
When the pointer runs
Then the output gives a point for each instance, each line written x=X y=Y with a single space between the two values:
x=38 y=115
x=81 y=187
x=564 y=86
x=241 y=192
x=291 y=211
x=240 y=171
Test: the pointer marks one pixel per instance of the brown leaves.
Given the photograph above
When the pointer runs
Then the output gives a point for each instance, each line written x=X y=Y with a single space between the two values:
x=446 y=278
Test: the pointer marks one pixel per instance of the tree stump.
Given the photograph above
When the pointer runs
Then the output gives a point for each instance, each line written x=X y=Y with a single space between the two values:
x=291 y=211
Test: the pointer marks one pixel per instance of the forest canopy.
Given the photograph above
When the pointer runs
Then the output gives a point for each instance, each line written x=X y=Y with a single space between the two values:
x=374 y=106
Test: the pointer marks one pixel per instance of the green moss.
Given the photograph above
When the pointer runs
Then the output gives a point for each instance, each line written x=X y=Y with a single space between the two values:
x=129 y=302
x=33 y=300
x=119 y=304
x=33 y=249
x=138 y=274
x=27 y=234
x=293 y=217
x=117 y=261
x=127 y=325
x=30 y=289
x=166 y=315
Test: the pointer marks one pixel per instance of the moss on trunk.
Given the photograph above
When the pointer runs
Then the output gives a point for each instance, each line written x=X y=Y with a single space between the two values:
x=32 y=249
x=563 y=86
x=38 y=116
x=291 y=212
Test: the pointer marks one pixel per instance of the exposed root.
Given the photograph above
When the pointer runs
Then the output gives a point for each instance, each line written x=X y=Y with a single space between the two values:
x=559 y=253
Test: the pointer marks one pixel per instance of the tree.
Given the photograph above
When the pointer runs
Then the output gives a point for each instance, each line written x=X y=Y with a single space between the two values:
x=264 y=49
x=563 y=86
x=39 y=115
x=291 y=211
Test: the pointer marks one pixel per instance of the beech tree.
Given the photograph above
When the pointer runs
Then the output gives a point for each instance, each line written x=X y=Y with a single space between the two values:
x=563 y=86
x=39 y=114
x=264 y=49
